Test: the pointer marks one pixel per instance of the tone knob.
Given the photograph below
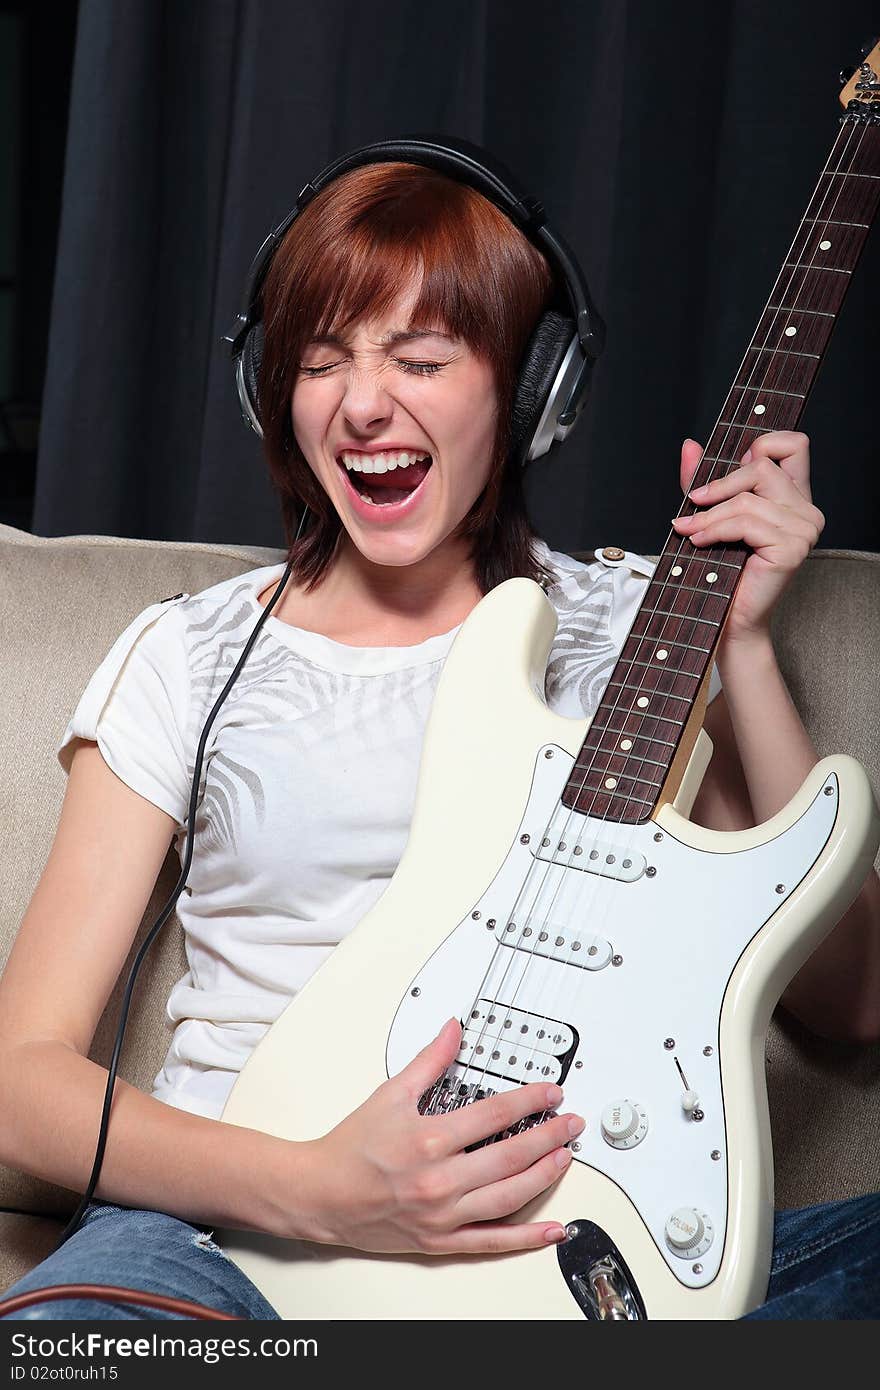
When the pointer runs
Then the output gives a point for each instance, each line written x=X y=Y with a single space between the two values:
x=684 y=1228
x=620 y=1119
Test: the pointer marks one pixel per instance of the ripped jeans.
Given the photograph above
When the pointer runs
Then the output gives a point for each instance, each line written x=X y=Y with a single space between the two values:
x=826 y=1264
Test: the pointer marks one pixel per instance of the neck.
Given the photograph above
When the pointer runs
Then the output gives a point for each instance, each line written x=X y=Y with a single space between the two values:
x=441 y=584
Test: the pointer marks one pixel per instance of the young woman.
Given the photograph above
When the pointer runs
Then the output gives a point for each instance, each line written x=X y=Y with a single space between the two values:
x=396 y=312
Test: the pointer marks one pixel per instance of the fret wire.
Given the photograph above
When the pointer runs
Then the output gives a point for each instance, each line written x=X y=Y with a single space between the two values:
x=640 y=713
x=804 y=265
x=623 y=753
x=769 y=390
x=606 y=729
x=661 y=694
x=729 y=565
x=785 y=352
x=692 y=589
x=628 y=800
x=741 y=424
x=668 y=641
x=662 y=612
x=620 y=776
x=797 y=309
x=848 y=174
x=661 y=666
x=831 y=222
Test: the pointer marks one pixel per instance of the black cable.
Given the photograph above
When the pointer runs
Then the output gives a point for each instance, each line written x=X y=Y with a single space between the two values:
x=75 y=1221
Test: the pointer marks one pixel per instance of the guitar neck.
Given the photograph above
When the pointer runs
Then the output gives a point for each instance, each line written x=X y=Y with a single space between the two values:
x=636 y=730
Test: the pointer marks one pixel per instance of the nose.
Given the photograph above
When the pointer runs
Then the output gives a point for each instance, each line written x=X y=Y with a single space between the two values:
x=366 y=402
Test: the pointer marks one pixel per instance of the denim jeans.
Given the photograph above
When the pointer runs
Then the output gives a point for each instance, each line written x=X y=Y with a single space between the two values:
x=826 y=1264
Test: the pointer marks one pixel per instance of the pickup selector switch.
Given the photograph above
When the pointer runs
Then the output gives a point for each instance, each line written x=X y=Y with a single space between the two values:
x=624 y=1124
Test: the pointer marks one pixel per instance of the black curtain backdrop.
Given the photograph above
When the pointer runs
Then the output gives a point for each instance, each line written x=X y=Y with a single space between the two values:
x=674 y=145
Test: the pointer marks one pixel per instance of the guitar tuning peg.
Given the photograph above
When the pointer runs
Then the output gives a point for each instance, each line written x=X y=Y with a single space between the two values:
x=844 y=75
x=866 y=48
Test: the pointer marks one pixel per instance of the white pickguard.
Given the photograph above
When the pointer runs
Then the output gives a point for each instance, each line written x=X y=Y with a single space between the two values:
x=686 y=924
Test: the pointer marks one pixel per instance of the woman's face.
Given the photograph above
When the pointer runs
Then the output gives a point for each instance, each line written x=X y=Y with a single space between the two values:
x=399 y=427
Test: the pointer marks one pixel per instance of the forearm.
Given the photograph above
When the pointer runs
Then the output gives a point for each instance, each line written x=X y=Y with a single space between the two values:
x=837 y=992
x=157 y=1156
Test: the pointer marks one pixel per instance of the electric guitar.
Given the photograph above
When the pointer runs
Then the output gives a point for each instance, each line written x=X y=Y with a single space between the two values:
x=555 y=896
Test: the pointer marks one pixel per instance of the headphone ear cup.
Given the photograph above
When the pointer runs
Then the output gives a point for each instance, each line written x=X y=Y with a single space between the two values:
x=544 y=355
x=251 y=357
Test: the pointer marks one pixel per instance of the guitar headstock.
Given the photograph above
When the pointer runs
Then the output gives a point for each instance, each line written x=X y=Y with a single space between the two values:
x=861 y=94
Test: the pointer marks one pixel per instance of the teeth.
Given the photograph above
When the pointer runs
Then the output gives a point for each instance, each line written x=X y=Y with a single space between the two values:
x=381 y=463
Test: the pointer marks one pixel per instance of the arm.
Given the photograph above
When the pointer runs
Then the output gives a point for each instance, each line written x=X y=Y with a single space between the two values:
x=386 y=1178
x=762 y=750
x=760 y=760
x=108 y=849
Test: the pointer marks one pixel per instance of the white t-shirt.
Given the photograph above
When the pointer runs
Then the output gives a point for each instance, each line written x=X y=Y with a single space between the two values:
x=307 y=786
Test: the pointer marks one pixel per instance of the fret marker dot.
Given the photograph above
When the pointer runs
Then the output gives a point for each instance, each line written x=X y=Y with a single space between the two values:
x=790 y=332
x=759 y=409
x=676 y=570
x=610 y=782
x=662 y=654
x=824 y=245
x=626 y=743
x=711 y=578
x=642 y=701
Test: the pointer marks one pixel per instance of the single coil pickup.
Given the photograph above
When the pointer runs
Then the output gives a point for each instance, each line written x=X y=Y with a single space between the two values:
x=582 y=949
x=606 y=859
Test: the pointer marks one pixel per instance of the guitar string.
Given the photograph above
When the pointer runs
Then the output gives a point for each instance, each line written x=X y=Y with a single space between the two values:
x=528 y=953
x=682 y=540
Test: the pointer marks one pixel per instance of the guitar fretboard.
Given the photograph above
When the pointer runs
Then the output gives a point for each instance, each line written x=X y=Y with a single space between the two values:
x=632 y=740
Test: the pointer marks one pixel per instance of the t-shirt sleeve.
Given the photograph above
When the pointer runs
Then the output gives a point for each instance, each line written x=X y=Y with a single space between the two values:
x=628 y=590
x=136 y=708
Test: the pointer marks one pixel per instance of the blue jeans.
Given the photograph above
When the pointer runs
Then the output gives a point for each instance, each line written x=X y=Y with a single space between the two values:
x=826 y=1264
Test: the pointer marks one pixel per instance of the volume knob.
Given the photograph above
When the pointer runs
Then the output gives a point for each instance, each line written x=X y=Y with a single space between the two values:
x=684 y=1228
x=624 y=1124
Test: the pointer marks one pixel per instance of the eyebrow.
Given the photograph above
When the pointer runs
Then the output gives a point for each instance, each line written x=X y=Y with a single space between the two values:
x=399 y=336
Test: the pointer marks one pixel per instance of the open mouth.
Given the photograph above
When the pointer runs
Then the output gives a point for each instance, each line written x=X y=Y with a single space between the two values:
x=385 y=479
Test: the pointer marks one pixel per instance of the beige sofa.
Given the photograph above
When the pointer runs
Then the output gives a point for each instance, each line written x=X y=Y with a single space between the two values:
x=62 y=603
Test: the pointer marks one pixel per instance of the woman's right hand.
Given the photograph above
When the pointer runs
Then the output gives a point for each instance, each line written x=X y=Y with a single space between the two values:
x=390 y=1180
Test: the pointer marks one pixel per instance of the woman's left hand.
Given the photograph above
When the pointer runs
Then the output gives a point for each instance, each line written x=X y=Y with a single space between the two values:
x=766 y=503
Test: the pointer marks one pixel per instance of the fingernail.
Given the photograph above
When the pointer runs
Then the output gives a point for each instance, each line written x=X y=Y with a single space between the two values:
x=690 y=441
x=694 y=490
x=553 y=1096
x=562 y=1157
x=576 y=1124
x=554 y=1234
x=747 y=456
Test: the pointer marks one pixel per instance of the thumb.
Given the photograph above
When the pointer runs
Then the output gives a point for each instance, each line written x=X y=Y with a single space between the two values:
x=433 y=1060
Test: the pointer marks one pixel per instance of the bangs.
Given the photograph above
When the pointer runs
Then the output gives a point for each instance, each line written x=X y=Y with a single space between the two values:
x=422 y=228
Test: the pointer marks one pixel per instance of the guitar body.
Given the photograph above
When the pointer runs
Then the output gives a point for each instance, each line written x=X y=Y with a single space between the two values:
x=665 y=947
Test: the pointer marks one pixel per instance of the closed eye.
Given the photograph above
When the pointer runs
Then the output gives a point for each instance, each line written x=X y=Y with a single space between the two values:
x=416 y=368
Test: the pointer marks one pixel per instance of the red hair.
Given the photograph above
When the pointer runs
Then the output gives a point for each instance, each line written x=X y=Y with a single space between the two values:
x=347 y=255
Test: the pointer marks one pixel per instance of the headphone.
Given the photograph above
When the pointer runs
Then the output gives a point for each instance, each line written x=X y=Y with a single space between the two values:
x=554 y=375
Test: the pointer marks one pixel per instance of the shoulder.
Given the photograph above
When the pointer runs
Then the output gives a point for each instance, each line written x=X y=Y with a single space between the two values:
x=608 y=578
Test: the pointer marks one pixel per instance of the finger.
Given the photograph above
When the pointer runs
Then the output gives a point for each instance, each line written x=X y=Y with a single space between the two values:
x=484 y=1118
x=791 y=450
x=504 y=1198
x=754 y=529
x=494 y=1162
x=432 y=1061
x=497 y=1238
x=691 y=453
